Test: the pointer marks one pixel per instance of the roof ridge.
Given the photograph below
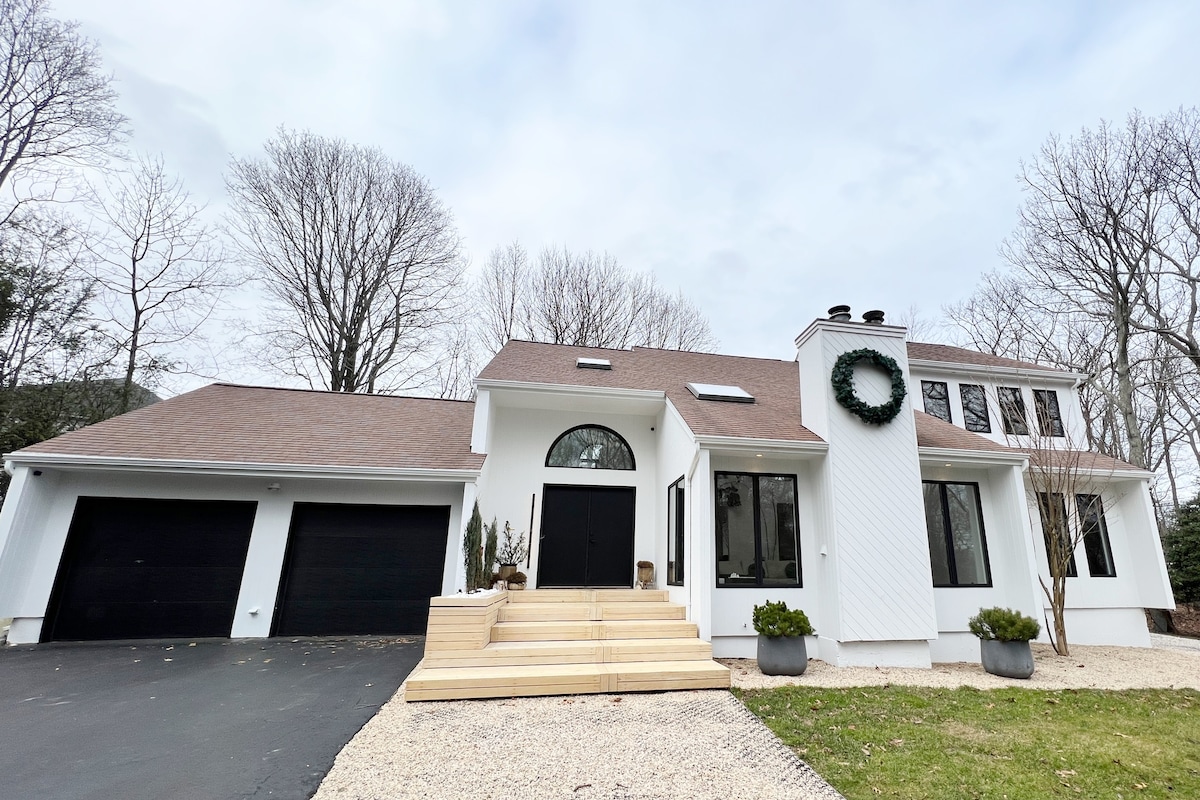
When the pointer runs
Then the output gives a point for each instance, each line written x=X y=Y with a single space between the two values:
x=331 y=392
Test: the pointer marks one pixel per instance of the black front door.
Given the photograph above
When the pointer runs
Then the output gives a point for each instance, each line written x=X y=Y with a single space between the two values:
x=587 y=536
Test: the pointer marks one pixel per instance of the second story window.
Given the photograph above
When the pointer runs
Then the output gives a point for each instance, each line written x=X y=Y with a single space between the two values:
x=1012 y=411
x=937 y=399
x=1045 y=405
x=975 y=410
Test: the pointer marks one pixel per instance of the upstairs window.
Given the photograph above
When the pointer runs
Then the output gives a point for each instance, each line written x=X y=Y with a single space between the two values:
x=1045 y=405
x=937 y=399
x=1012 y=411
x=975 y=410
x=590 y=447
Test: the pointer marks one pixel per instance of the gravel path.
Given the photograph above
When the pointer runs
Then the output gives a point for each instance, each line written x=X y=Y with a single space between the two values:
x=1173 y=664
x=697 y=744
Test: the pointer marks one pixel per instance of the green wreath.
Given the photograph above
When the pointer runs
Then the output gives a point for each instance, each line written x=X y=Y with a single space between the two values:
x=843 y=386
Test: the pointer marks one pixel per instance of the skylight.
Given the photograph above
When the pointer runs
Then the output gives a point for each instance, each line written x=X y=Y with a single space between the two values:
x=593 y=363
x=715 y=391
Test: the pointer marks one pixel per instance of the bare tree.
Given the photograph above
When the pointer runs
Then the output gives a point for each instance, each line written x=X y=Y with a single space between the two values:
x=584 y=299
x=358 y=252
x=56 y=106
x=159 y=268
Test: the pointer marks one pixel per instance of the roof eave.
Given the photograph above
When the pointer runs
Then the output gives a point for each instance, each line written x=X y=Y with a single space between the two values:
x=941 y=455
x=741 y=445
x=244 y=469
x=1051 y=375
x=570 y=388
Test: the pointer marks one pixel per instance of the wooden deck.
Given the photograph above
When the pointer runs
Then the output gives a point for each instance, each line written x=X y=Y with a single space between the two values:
x=561 y=641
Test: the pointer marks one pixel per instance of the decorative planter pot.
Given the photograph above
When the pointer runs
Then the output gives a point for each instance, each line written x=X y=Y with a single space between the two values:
x=782 y=655
x=515 y=587
x=506 y=570
x=1006 y=659
x=645 y=576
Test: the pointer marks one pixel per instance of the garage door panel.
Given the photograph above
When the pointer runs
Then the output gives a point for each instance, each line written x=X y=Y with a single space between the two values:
x=145 y=568
x=361 y=569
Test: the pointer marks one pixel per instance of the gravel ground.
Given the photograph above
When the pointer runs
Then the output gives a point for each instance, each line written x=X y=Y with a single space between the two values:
x=701 y=744
x=697 y=744
x=1173 y=663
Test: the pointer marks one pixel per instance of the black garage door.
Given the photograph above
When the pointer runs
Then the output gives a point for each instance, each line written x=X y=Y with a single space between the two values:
x=361 y=569
x=138 y=568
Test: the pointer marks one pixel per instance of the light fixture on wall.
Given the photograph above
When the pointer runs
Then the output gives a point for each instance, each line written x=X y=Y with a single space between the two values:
x=272 y=487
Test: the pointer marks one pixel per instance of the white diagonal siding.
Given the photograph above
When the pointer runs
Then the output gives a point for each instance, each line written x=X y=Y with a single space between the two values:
x=882 y=574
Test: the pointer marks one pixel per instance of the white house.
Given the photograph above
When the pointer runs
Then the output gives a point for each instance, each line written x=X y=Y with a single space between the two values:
x=240 y=511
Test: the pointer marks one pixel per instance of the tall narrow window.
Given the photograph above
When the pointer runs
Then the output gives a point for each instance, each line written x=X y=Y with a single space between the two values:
x=954 y=523
x=590 y=447
x=1045 y=405
x=937 y=399
x=1052 y=509
x=1095 y=536
x=675 y=533
x=975 y=410
x=756 y=530
x=1012 y=411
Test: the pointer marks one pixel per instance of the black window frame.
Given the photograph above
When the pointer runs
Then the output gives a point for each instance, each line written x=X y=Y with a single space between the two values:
x=677 y=492
x=1013 y=413
x=1072 y=566
x=1048 y=413
x=928 y=388
x=948 y=536
x=975 y=410
x=1083 y=502
x=758 y=579
x=629 y=450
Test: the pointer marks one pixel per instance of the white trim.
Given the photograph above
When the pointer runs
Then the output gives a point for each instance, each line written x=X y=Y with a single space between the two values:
x=250 y=469
x=863 y=328
x=994 y=371
x=741 y=444
x=941 y=455
x=576 y=390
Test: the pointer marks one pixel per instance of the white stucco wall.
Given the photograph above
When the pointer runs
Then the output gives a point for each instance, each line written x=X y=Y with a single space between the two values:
x=674 y=457
x=515 y=474
x=45 y=506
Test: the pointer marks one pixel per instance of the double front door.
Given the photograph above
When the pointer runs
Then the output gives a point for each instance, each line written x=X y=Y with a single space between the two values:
x=586 y=537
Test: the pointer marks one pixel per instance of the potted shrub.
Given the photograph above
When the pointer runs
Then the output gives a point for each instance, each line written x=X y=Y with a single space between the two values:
x=645 y=573
x=517 y=581
x=781 y=632
x=512 y=550
x=1004 y=636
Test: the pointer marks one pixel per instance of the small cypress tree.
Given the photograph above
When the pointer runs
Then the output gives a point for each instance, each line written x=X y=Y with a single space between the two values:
x=489 y=550
x=472 y=543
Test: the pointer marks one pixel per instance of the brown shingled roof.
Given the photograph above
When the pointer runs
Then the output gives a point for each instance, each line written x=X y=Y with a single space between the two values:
x=775 y=385
x=926 y=351
x=934 y=432
x=257 y=425
x=1083 y=460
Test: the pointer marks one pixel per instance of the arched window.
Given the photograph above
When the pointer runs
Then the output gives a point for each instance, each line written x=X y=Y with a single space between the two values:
x=590 y=447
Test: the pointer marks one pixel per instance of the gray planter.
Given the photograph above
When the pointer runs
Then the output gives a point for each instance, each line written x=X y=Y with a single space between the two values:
x=1006 y=659
x=782 y=655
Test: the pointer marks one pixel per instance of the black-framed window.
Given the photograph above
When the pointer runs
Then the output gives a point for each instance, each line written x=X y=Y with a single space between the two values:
x=1052 y=509
x=675 y=533
x=957 y=544
x=1012 y=411
x=756 y=529
x=937 y=399
x=591 y=447
x=1049 y=417
x=1095 y=536
x=975 y=408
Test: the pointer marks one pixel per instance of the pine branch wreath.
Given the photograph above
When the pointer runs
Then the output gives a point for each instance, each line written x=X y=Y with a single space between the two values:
x=843 y=386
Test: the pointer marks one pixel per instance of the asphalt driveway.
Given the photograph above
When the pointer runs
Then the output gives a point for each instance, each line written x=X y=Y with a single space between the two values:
x=205 y=719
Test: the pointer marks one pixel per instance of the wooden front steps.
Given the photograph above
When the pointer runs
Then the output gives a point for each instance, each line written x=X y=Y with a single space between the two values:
x=561 y=641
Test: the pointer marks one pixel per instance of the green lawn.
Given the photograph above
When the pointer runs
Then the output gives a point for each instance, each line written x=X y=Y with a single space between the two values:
x=909 y=742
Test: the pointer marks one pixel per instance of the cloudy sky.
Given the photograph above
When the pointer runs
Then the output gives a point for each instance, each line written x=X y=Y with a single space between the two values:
x=770 y=159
